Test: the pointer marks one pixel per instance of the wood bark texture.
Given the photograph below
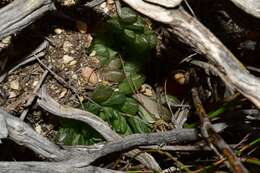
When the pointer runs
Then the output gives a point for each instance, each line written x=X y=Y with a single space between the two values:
x=21 y=13
x=251 y=7
x=192 y=32
x=79 y=159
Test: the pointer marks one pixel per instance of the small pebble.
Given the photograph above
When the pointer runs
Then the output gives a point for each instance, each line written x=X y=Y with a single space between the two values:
x=38 y=129
x=58 y=31
x=180 y=78
x=89 y=75
x=74 y=76
x=89 y=40
x=93 y=53
x=73 y=62
x=12 y=95
x=147 y=90
x=81 y=26
x=67 y=46
x=14 y=84
x=67 y=59
x=7 y=40
x=69 y=2
x=35 y=83
x=93 y=60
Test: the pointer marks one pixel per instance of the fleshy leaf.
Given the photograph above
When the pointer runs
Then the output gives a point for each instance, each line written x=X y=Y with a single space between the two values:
x=138 y=125
x=115 y=100
x=101 y=93
x=92 y=107
x=76 y=133
x=131 y=84
x=127 y=15
x=130 y=106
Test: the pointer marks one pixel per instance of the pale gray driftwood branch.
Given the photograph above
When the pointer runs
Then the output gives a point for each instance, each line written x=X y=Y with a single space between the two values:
x=81 y=162
x=3 y=128
x=21 y=13
x=23 y=134
x=50 y=105
x=165 y=3
x=195 y=34
x=251 y=7
x=48 y=167
x=135 y=140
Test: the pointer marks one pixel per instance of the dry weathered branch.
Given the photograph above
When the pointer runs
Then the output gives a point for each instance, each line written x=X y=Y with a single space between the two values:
x=132 y=141
x=22 y=134
x=192 y=32
x=80 y=162
x=249 y=6
x=178 y=148
x=165 y=3
x=37 y=53
x=50 y=105
x=94 y=3
x=48 y=167
x=3 y=128
x=33 y=95
x=214 y=138
x=21 y=13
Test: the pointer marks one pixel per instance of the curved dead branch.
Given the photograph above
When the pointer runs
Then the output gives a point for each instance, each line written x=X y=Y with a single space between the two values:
x=249 y=6
x=48 y=167
x=165 y=3
x=50 y=105
x=22 y=134
x=73 y=159
x=21 y=13
x=195 y=34
x=214 y=139
x=3 y=128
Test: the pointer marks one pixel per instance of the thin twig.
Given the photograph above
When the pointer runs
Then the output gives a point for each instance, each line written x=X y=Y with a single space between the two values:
x=37 y=53
x=60 y=79
x=33 y=96
x=214 y=138
x=190 y=9
x=94 y=3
